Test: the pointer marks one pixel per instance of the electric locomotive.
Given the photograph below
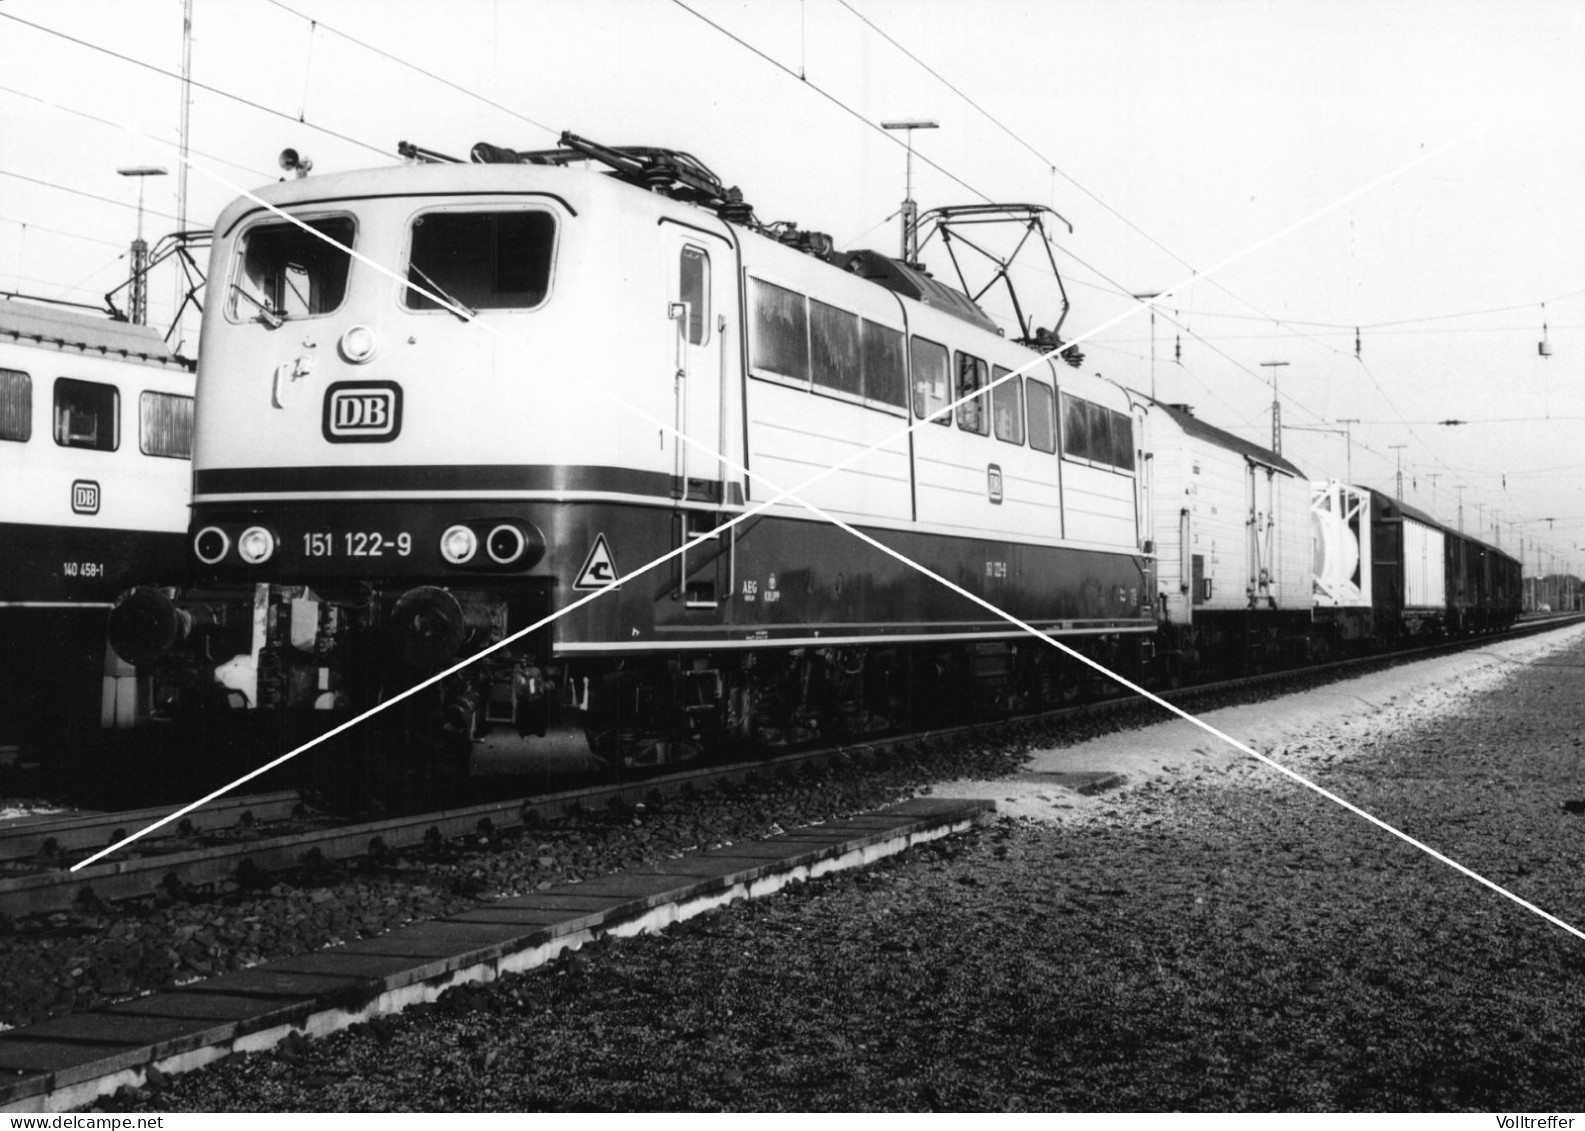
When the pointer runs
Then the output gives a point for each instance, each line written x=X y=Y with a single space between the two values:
x=445 y=401
x=95 y=442
x=541 y=410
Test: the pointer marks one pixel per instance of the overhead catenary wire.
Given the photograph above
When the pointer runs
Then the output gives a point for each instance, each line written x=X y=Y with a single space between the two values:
x=1350 y=327
x=1298 y=403
x=263 y=175
x=1056 y=170
x=1117 y=286
x=148 y=211
x=414 y=67
x=78 y=287
x=217 y=91
x=1288 y=325
x=30 y=226
x=1512 y=329
x=833 y=99
x=1111 y=285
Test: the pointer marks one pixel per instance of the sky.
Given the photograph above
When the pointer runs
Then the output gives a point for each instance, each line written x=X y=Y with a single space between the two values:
x=1285 y=172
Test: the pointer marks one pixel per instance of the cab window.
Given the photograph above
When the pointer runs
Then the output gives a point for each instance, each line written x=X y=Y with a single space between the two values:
x=480 y=260
x=285 y=272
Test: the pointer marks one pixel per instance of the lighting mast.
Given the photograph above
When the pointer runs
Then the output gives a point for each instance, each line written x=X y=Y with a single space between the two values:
x=139 y=313
x=910 y=210
x=1276 y=406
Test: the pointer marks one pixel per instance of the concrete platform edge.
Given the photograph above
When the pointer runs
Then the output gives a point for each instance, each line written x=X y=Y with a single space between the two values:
x=923 y=820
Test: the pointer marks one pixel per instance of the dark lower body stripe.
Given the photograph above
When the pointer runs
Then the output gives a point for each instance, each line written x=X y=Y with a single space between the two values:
x=448 y=477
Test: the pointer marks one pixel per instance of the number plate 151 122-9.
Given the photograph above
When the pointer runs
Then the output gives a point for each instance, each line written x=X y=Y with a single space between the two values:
x=356 y=544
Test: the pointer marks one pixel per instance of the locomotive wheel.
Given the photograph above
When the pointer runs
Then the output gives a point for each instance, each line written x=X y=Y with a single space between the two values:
x=781 y=739
x=865 y=724
x=653 y=753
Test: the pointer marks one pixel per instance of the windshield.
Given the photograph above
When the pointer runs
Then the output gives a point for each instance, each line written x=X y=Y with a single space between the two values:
x=286 y=272
x=481 y=260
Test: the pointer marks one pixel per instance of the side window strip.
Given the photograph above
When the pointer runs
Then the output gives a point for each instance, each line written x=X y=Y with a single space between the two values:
x=1007 y=407
x=165 y=425
x=837 y=361
x=1042 y=426
x=972 y=415
x=929 y=364
x=780 y=341
x=16 y=405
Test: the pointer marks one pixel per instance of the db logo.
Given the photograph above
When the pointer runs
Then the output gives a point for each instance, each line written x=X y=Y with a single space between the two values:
x=362 y=412
x=85 y=496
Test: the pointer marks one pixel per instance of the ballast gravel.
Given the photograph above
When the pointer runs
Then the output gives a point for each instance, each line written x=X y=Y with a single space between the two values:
x=90 y=957
x=1206 y=939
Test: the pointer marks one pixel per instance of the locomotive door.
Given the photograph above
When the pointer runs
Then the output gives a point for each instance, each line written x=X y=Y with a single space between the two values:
x=701 y=273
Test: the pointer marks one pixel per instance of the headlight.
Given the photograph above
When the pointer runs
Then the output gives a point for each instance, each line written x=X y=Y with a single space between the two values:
x=458 y=544
x=210 y=544
x=357 y=344
x=505 y=544
x=256 y=545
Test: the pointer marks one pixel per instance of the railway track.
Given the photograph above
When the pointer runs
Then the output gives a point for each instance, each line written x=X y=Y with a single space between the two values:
x=57 y=837
x=239 y=843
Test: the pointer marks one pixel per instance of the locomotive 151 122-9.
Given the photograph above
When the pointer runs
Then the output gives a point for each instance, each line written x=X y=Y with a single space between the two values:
x=441 y=402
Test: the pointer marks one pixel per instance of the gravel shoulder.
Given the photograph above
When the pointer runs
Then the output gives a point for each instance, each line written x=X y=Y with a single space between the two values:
x=1210 y=938
x=1319 y=728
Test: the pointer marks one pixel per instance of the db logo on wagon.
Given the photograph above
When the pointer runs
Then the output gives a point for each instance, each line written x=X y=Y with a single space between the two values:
x=85 y=496
x=362 y=412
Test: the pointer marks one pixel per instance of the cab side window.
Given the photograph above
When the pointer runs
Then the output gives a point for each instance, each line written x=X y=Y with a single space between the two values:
x=973 y=415
x=694 y=289
x=1007 y=407
x=929 y=362
x=1042 y=431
